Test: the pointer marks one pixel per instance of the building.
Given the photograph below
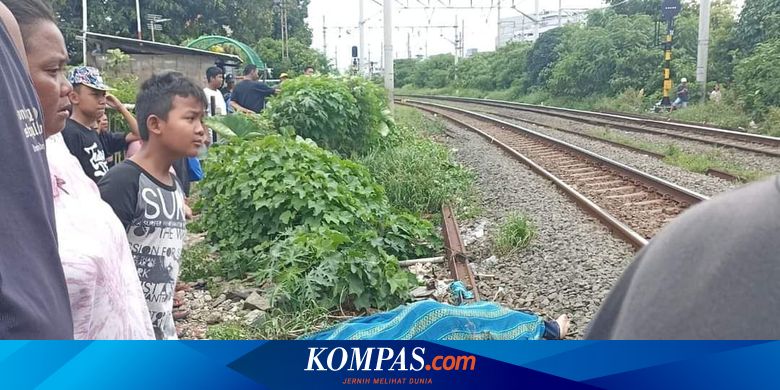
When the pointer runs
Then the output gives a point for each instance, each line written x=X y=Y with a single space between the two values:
x=471 y=52
x=148 y=57
x=523 y=28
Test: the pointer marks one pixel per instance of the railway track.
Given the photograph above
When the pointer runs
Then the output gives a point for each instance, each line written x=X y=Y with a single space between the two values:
x=711 y=171
x=755 y=143
x=632 y=204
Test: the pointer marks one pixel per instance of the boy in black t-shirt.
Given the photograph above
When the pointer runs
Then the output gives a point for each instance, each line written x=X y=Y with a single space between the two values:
x=89 y=99
x=148 y=198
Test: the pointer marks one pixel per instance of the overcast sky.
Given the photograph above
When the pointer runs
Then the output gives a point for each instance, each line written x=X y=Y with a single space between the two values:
x=481 y=27
x=480 y=24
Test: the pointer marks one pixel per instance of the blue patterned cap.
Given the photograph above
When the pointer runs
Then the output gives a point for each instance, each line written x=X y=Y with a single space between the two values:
x=89 y=76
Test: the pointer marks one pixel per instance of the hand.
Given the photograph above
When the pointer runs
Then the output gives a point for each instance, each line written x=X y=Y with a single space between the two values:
x=113 y=102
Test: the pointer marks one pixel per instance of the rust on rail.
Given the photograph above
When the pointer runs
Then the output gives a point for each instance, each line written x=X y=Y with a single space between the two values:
x=455 y=252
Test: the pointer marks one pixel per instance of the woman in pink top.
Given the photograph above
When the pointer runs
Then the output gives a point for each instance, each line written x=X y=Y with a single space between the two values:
x=105 y=293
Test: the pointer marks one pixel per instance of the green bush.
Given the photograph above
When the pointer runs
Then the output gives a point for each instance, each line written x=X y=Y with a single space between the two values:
x=257 y=189
x=771 y=124
x=344 y=115
x=330 y=269
x=300 y=216
x=758 y=77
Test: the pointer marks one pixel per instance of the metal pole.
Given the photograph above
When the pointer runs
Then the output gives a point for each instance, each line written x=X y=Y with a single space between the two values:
x=560 y=14
x=389 y=65
x=498 y=23
x=536 y=21
x=704 y=46
x=138 y=18
x=361 y=54
x=84 y=31
x=325 y=37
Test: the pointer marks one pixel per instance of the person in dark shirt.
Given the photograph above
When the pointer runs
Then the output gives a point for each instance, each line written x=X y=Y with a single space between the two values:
x=711 y=274
x=249 y=95
x=89 y=99
x=33 y=295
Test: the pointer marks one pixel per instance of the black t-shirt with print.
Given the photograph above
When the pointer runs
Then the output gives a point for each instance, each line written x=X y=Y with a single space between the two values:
x=91 y=149
x=34 y=300
x=153 y=216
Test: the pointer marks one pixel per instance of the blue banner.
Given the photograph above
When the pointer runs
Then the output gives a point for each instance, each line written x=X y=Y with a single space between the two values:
x=330 y=365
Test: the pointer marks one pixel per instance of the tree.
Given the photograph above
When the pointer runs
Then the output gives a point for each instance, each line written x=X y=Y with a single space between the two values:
x=759 y=21
x=301 y=56
x=758 y=77
x=637 y=7
x=543 y=56
x=245 y=20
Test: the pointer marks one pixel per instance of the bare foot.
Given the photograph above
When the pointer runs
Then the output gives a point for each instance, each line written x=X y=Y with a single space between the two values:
x=563 y=324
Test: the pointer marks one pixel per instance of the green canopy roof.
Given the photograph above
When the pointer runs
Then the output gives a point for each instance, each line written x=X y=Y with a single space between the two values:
x=247 y=54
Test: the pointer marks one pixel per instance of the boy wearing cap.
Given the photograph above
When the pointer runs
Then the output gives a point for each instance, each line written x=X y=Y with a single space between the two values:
x=89 y=99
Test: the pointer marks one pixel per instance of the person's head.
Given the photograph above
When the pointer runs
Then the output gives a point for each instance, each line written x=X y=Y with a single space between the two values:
x=89 y=93
x=102 y=124
x=214 y=77
x=230 y=81
x=683 y=81
x=309 y=71
x=284 y=77
x=46 y=59
x=251 y=73
x=170 y=112
x=717 y=86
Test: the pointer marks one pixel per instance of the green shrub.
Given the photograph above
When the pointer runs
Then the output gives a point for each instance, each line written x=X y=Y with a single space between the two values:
x=631 y=101
x=515 y=233
x=771 y=124
x=345 y=115
x=300 y=216
x=330 y=269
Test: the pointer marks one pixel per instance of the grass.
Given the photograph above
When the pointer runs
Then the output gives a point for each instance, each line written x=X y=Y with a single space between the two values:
x=198 y=262
x=727 y=114
x=693 y=162
x=418 y=174
x=277 y=325
x=514 y=234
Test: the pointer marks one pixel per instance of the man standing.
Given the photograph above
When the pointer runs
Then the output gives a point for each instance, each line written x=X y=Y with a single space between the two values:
x=309 y=71
x=250 y=94
x=89 y=100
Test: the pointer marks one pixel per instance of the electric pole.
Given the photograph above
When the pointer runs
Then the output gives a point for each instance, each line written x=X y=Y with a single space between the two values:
x=389 y=65
x=362 y=27
x=704 y=47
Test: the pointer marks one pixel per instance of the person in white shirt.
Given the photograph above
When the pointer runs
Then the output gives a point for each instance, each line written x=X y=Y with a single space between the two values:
x=214 y=78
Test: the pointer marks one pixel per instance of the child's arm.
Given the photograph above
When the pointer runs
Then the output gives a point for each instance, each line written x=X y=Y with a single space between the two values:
x=114 y=103
x=238 y=107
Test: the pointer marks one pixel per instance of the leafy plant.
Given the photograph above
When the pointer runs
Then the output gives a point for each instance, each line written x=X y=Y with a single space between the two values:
x=197 y=263
x=515 y=233
x=240 y=125
x=317 y=226
x=330 y=269
x=342 y=115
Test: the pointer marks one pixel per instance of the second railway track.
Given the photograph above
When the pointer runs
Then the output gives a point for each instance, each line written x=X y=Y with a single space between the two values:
x=765 y=145
x=633 y=204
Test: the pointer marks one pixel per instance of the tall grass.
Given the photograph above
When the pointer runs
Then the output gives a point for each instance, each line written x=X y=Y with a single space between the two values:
x=515 y=233
x=418 y=174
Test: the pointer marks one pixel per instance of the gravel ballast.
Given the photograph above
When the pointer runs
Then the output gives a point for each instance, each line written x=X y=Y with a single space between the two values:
x=571 y=263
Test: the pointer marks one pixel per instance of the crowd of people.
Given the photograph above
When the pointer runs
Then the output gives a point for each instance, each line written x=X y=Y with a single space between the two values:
x=91 y=248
